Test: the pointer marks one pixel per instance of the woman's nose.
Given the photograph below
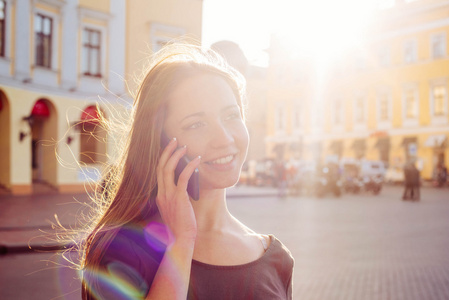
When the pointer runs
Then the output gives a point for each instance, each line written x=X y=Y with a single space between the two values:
x=221 y=136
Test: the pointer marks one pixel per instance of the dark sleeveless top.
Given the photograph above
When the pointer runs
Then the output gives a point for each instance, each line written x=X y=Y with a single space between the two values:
x=130 y=263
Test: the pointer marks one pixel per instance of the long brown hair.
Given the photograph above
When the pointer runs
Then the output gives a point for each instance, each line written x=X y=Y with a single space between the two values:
x=129 y=188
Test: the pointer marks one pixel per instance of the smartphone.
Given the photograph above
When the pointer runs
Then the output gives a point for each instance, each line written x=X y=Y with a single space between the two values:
x=193 y=187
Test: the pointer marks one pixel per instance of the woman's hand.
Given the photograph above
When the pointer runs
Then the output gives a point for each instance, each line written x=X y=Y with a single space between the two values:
x=173 y=200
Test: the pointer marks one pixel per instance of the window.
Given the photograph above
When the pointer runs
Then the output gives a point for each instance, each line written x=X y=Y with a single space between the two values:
x=280 y=119
x=438 y=46
x=43 y=28
x=91 y=60
x=384 y=56
x=2 y=27
x=338 y=110
x=359 y=110
x=317 y=116
x=297 y=118
x=383 y=107
x=411 y=104
x=439 y=99
x=410 y=51
x=159 y=44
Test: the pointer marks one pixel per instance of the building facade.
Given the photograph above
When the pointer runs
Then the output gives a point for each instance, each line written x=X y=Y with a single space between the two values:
x=386 y=100
x=63 y=65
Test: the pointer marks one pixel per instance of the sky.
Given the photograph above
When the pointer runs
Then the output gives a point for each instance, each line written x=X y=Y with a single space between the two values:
x=310 y=25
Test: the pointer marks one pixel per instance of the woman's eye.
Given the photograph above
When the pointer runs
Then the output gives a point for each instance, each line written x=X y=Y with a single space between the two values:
x=195 y=125
x=233 y=116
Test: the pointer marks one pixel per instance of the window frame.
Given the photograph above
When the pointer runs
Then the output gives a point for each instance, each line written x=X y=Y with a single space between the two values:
x=414 y=55
x=280 y=120
x=40 y=61
x=384 y=93
x=360 y=125
x=413 y=90
x=362 y=112
x=161 y=34
x=90 y=48
x=338 y=115
x=440 y=118
x=433 y=38
x=298 y=118
x=103 y=51
x=3 y=30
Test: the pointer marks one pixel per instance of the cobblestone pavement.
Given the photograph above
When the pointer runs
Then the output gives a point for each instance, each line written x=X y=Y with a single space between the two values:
x=360 y=246
x=353 y=247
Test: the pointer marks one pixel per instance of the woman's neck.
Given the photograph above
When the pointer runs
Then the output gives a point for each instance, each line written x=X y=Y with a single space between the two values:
x=211 y=211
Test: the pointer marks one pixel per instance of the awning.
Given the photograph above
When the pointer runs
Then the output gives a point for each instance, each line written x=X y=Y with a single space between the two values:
x=40 y=109
x=435 y=140
x=90 y=114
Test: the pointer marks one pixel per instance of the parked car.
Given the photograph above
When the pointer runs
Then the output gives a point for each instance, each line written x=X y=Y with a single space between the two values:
x=265 y=173
x=394 y=175
x=363 y=175
x=328 y=180
x=351 y=182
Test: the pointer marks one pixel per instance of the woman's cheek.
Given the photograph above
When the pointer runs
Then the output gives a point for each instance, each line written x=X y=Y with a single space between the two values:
x=244 y=135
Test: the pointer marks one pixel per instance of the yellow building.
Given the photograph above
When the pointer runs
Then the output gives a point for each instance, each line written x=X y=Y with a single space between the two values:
x=61 y=61
x=387 y=100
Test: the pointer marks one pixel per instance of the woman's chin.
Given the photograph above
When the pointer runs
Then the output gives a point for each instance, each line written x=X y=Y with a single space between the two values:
x=223 y=184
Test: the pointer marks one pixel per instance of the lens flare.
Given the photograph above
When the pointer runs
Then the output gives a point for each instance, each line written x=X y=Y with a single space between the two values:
x=119 y=281
x=156 y=236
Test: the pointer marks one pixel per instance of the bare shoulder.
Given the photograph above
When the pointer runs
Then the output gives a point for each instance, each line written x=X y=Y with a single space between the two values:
x=264 y=238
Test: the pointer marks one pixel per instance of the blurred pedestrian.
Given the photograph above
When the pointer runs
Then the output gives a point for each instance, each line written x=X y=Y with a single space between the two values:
x=415 y=179
x=441 y=175
x=412 y=182
x=281 y=178
x=407 y=181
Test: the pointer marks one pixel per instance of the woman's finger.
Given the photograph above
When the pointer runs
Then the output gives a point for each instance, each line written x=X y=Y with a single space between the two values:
x=185 y=175
x=167 y=152
x=170 y=166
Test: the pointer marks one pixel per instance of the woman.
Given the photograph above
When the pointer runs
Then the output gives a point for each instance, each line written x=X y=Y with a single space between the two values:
x=152 y=241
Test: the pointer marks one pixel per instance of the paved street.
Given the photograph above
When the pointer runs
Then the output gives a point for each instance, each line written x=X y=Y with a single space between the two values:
x=353 y=247
x=360 y=247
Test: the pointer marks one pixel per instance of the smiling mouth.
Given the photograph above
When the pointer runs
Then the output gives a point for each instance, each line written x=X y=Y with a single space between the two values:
x=222 y=161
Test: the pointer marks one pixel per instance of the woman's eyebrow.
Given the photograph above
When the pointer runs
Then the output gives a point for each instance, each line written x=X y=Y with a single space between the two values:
x=202 y=113
x=232 y=106
x=198 y=114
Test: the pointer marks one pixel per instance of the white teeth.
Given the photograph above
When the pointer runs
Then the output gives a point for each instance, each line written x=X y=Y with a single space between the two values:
x=223 y=160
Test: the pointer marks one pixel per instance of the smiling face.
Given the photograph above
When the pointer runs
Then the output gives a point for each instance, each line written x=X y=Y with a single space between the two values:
x=202 y=113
